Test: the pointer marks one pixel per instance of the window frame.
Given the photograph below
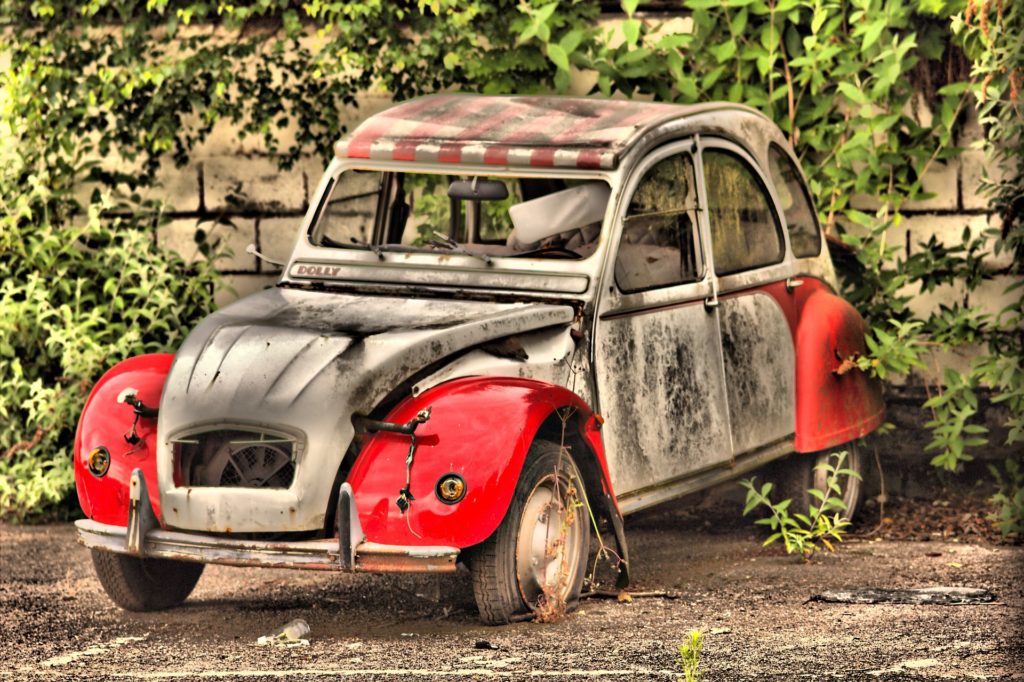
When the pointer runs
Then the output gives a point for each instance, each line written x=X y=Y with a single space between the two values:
x=672 y=149
x=775 y=147
x=726 y=279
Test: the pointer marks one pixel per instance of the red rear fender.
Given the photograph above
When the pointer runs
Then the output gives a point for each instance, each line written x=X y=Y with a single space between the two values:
x=832 y=407
x=104 y=422
x=481 y=429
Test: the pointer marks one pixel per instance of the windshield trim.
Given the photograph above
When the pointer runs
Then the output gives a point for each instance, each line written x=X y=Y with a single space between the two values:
x=445 y=169
x=445 y=271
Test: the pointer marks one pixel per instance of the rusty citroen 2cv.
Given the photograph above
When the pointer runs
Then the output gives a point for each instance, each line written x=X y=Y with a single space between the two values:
x=505 y=323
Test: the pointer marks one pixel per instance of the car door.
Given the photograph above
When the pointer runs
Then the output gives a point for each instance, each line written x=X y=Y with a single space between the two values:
x=657 y=352
x=749 y=258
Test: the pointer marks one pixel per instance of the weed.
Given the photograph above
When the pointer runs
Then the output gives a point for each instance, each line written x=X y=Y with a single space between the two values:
x=689 y=656
x=1009 y=500
x=805 y=534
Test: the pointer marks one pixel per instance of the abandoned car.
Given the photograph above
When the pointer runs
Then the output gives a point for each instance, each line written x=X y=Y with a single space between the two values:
x=506 y=322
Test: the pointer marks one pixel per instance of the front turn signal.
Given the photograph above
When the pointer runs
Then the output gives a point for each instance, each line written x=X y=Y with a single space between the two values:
x=98 y=461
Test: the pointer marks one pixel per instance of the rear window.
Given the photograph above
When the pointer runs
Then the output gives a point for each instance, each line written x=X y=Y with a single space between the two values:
x=804 y=235
x=745 y=232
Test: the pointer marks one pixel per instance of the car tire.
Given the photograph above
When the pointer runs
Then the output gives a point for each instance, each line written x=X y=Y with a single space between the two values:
x=506 y=581
x=137 y=584
x=797 y=473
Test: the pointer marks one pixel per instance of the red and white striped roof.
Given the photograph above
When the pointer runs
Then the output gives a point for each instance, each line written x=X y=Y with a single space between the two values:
x=567 y=132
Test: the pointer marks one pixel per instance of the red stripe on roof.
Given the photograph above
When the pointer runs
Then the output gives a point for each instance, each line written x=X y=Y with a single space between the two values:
x=451 y=152
x=372 y=128
x=456 y=111
x=530 y=130
x=589 y=159
x=545 y=156
x=498 y=154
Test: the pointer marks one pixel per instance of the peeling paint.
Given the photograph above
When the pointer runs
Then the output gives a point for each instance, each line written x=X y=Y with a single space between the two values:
x=662 y=394
x=760 y=370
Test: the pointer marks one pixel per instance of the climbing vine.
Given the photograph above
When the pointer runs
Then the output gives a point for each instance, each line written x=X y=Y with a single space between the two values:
x=99 y=94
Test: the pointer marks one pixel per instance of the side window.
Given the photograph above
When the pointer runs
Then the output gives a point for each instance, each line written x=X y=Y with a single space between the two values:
x=804 y=236
x=744 y=231
x=659 y=243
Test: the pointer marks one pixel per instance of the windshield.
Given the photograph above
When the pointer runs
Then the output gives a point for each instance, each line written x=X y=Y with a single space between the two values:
x=474 y=215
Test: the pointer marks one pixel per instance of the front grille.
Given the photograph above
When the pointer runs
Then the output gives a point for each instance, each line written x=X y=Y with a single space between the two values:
x=232 y=458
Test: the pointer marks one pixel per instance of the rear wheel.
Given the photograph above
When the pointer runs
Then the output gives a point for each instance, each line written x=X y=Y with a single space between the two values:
x=138 y=584
x=798 y=473
x=537 y=558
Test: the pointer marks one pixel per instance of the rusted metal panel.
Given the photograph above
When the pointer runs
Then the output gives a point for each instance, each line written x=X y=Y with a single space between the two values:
x=659 y=375
x=373 y=558
x=571 y=132
x=760 y=369
x=318 y=555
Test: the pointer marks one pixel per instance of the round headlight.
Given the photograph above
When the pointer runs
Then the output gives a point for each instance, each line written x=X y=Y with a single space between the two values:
x=98 y=461
x=450 y=488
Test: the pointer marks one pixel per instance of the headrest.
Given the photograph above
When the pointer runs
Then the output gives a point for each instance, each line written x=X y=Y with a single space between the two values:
x=551 y=214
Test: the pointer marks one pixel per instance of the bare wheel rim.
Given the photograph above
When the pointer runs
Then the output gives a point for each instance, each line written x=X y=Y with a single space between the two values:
x=849 y=485
x=549 y=540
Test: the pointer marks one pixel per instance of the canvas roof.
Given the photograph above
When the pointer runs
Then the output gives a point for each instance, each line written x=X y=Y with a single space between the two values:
x=570 y=132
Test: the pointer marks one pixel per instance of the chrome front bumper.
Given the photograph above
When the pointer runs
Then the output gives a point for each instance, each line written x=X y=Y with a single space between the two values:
x=349 y=551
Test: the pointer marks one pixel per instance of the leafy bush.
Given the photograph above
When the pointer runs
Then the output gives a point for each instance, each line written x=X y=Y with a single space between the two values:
x=81 y=291
x=802 y=532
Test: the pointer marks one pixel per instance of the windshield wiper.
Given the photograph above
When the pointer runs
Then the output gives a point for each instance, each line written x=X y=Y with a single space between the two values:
x=372 y=247
x=443 y=241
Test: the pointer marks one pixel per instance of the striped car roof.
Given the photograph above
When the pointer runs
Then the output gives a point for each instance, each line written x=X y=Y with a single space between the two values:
x=567 y=132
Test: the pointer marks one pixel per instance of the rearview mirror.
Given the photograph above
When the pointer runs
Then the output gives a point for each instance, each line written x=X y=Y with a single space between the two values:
x=477 y=189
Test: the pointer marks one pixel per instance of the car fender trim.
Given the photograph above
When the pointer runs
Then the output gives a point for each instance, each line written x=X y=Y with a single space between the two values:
x=481 y=428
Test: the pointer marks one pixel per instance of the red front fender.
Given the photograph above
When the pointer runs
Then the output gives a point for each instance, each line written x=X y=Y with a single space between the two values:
x=104 y=422
x=481 y=429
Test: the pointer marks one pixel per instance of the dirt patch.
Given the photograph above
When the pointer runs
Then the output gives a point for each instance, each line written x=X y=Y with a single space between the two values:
x=751 y=602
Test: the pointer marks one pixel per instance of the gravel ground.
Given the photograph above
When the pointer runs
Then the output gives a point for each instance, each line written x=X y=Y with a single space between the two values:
x=750 y=601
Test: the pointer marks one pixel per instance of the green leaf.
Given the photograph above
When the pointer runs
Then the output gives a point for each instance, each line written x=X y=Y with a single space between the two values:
x=872 y=33
x=852 y=92
x=723 y=51
x=631 y=30
x=558 y=56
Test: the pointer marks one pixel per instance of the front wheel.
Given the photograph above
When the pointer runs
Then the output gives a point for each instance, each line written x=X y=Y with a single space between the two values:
x=537 y=558
x=799 y=472
x=137 y=584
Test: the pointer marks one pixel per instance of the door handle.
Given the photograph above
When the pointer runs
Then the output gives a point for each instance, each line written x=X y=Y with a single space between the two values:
x=710 y=302
x=793 y=283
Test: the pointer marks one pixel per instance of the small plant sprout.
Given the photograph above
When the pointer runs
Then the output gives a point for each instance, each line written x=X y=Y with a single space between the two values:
x=823 y=522
x=689 y=656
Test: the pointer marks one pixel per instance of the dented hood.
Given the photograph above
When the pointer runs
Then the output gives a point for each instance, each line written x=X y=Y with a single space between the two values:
x=305 y=362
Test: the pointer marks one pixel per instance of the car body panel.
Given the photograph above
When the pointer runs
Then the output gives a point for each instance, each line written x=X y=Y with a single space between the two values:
x=760 y=367
x=833 y=406
x=105 y=422
x=305 y=362
x=480 y=428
